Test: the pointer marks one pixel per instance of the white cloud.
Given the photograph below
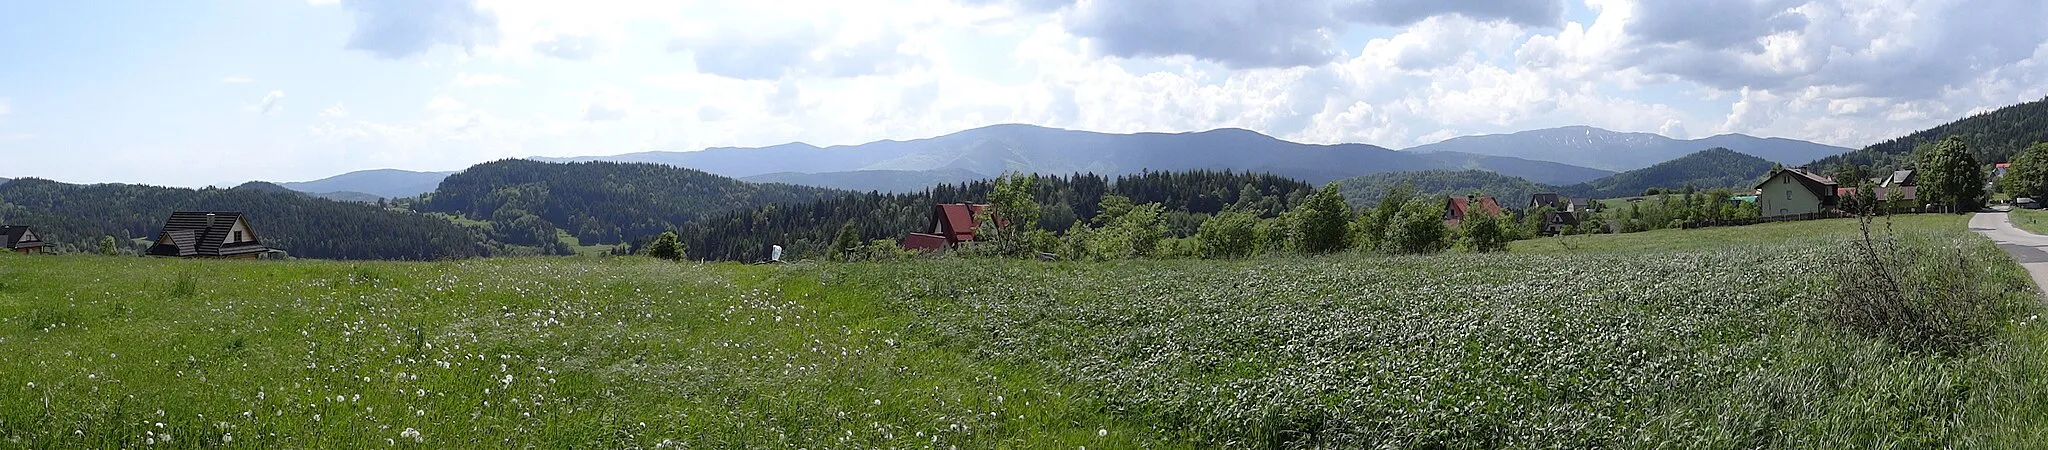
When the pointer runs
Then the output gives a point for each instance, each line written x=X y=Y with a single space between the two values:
x=466 y=79
x=338 y=111
x=396 y=29
x=237 y=80
x=270 y=103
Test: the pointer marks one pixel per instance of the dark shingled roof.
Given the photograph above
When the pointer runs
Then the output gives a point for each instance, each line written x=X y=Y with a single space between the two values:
x=204 y=233
x=11 y=237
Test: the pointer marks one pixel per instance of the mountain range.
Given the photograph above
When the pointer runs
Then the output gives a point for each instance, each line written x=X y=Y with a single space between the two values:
x=1706 y=169
x=1558 y=156
x=1618 y=151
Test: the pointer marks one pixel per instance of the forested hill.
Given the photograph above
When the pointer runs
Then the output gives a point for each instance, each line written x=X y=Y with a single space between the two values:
x=1994 y=137
x=78 y=216
x=599 y=202
x=806 y=229
x=1707 y=169
x=1511 y=191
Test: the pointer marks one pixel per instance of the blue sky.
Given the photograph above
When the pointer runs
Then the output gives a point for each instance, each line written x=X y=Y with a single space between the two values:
x=222 y=92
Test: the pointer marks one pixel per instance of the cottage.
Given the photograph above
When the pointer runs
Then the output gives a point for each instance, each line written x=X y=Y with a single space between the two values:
x=198 y=234
x=19 y=239
x=1559 y=202
x=1794 y=191
x=1455 y=208
x=952 y=224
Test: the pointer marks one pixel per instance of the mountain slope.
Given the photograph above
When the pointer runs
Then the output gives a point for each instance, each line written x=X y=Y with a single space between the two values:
x=993 y=150
x=1609 y=150
x=390 y=183
x=888 y=181
x=1993 y=136
x=599 y=202
x=1709 y=169
x=79 y=215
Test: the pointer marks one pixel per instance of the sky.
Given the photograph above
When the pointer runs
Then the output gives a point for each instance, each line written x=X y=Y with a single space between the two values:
x=222 y=92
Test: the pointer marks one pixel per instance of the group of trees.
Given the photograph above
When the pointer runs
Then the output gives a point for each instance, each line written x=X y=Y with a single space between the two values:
x=123 y=219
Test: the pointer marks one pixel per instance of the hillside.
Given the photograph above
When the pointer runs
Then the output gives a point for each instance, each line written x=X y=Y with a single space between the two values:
x=77 y=216
x=994 y=150
x=888 y=181
x=805 y=229
x=1709 y=169
x=598 y=202
x=1994 y=136
x=1366 y=191
x=387 y=183
x=1616 y=151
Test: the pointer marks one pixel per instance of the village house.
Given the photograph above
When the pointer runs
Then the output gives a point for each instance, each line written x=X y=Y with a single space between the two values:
x=19 y=239
x=1559 y=202
x=1795 y=191
x=198 y=234
x=952 y=224
x=1456 y=208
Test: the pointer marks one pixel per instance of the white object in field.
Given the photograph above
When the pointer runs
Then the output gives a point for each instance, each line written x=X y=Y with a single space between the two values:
x=775 y=253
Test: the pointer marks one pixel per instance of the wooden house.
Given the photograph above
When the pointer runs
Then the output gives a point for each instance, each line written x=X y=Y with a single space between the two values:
x=951 y=225
x=19 y=239
x=200 y=234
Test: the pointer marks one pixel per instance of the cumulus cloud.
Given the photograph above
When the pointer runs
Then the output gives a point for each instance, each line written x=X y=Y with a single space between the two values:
x=801 y=51
x=1887 y=48
x=569 y=47
x=270 y=103
x=1534 y=13
x=1236 y=33
x=397 y=29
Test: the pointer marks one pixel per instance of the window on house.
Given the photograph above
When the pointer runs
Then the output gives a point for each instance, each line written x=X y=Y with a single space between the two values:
x=1788 y=194
x=238 y=236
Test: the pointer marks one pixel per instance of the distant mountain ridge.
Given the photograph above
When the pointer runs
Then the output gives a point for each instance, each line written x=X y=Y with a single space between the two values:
x=989 y=151
x=1706 y=169
x=1618 y=151
x=387 y=183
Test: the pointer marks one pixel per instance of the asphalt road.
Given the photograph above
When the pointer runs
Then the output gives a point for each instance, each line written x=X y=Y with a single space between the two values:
x=2030 y=249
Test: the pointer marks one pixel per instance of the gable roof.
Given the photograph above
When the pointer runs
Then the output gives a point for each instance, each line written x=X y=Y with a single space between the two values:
x=1460 y=205
x=1900 y=178
x=1821 y=186
x=19 y=236
x=204 y=233
x=1544 y=199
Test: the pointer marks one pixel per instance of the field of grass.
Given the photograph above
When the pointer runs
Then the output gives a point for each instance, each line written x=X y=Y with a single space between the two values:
x=2033 y=220
x=1680 y=339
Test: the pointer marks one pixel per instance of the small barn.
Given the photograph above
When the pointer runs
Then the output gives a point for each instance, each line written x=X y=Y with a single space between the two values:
x=203 y=234
x=951 y=225
x=20 y=239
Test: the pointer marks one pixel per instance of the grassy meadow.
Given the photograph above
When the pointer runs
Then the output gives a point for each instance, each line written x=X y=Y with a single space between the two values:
x=1664 y=339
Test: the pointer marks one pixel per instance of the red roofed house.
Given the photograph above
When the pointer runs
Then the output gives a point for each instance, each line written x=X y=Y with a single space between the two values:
x=1456 y=208
x=952 y=224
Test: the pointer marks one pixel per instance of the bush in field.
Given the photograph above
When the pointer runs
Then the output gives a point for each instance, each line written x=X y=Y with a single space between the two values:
x=1485 y=232
x=1418 y=228
x=666 y=246
x=1231 y=234
x=1126 y=231
x=1371 y=228
x=1322 y=225
x=1922 y=294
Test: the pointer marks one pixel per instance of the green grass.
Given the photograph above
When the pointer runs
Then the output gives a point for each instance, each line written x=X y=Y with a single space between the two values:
x=577 y=246
x=1672 y=339
x=2033 y=220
